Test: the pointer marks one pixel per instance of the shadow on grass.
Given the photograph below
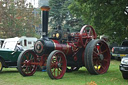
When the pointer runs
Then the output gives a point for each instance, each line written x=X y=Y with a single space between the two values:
x=68 y=75
x=8 y=71
x=80 y=73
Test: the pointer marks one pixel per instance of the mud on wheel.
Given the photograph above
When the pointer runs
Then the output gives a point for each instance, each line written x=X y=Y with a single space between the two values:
x=25 y=63
x=56 y=64
x=97 y=57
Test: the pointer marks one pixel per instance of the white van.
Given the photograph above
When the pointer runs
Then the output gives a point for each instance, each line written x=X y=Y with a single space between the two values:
x=25 y=42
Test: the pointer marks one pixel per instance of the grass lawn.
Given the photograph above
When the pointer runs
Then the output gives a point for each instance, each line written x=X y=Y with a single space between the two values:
x=10 y=76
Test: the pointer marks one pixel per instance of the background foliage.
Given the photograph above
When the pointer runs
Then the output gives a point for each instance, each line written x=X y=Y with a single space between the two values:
x=106 y=16
x=17 y=19
x=61 y=15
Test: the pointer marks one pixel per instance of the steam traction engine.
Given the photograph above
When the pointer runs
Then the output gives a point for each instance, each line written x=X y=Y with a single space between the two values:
x=65 y=49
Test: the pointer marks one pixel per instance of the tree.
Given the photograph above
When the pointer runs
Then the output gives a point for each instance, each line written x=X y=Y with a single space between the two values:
x=106 y=16
x=60 y=15
x=17 y=19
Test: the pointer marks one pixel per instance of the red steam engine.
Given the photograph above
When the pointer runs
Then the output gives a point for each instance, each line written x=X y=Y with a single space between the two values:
x=65 y=49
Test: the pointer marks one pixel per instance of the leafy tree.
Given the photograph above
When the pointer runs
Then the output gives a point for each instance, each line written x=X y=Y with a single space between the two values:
x=106 y=16
x=60 y=15
x=17 y=19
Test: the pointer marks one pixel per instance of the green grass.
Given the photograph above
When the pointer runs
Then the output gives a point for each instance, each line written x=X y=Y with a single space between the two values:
x=10 y=76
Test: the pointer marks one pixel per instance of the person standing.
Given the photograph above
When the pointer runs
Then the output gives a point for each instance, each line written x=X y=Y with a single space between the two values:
x=19 y=47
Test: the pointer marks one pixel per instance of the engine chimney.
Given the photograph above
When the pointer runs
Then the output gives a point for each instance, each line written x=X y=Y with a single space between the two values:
x=44 y=14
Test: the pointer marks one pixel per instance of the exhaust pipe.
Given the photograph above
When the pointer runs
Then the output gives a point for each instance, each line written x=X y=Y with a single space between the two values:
x=44 y=20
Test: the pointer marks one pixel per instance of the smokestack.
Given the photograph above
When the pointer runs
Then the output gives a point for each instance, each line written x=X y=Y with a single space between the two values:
x=44 y=14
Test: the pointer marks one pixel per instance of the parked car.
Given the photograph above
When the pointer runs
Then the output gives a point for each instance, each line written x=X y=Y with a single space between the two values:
x=111 y=46
x=9 y=53
x=120 y=51
x=124 y=67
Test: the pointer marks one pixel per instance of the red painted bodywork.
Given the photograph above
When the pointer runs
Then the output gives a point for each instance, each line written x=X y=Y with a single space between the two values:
x=66 y=48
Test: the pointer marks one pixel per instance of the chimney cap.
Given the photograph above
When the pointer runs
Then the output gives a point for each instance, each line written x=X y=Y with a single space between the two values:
x=45 y=8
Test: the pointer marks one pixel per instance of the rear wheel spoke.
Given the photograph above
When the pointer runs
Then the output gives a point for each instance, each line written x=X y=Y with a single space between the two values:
x=104 y=51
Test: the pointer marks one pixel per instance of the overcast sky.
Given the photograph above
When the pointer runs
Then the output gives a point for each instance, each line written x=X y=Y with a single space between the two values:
x=36 y=4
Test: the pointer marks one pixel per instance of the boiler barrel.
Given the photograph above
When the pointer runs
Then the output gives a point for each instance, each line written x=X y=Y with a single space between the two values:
x=65 y=48
x=47 y=46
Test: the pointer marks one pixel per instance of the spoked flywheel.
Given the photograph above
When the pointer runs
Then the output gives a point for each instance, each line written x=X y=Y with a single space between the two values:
x=87 y=32
x=56 y=64
x=97 y=57
x=25 y=63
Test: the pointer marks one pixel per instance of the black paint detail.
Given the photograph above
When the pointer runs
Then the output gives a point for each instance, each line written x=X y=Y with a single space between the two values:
x=48 y=47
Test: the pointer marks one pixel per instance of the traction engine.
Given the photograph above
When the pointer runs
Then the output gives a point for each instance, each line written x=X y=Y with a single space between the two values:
x=63 y=50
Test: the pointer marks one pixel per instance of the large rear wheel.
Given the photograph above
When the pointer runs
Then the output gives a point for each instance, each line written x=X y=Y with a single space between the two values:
x=56 y=64
x=97 y=57
x=25 y=63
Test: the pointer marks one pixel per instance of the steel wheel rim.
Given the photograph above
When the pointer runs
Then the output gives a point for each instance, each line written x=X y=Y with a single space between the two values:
x=101 y=57
x=27 y=68
x=58 y=65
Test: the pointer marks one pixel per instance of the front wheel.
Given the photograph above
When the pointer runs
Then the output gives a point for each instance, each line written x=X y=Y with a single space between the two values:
x=56 y=64
x=26 y=62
